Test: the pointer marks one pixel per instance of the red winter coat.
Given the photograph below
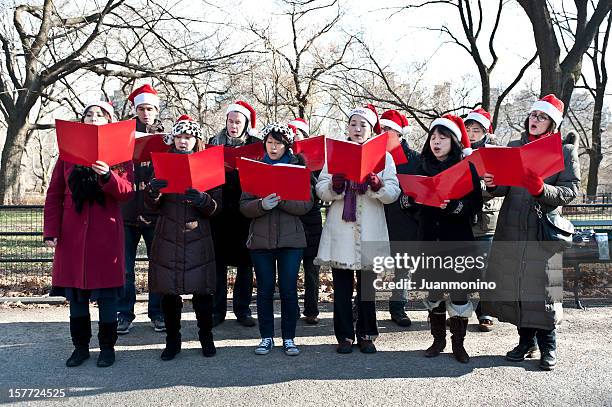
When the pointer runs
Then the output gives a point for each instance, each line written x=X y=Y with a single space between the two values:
x=90 y=246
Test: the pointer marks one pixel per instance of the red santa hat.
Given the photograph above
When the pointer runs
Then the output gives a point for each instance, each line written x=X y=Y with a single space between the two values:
x=184 y=125
x=369 y=113
x=456 y=126
x=106 y=106
x=301 y=124
x=483 y=117
x=552 y=106
x=144 y=94
x=393 y=120
x=248 y=111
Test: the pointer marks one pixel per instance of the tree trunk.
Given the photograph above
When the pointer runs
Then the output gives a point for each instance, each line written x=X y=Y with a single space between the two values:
x=10 y=163
x=595 y=155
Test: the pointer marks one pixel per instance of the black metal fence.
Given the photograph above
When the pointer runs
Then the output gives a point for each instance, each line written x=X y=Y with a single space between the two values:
x=25 y=262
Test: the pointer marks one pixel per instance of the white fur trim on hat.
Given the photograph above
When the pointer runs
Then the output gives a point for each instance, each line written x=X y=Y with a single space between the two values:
x=234 y=107
x=449 y=124
x=366 y=113
x=486 y=123
x=549 y=109
x=107 y=107
x=392 y=125
x=300 y=125
x=147 y=98
x=406 y=130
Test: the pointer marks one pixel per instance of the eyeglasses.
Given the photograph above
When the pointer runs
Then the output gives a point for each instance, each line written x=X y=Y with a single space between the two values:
x=539 y=117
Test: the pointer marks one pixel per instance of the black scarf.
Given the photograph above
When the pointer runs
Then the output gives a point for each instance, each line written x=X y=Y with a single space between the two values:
x=83 y=182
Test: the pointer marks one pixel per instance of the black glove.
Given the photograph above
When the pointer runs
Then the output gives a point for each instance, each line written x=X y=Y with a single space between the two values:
x=197 y=198
x=157 y=184
x=455 y=207
x=406 y=202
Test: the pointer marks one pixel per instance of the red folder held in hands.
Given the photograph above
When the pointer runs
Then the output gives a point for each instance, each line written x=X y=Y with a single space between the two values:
x=509 y=165
x=394 y=147
x=313 y=150
x=202 y=170
x=355 y=160
x=289 y=182
x=253 y=151
x=84 y=144
x=147 y=144
x=453 y=183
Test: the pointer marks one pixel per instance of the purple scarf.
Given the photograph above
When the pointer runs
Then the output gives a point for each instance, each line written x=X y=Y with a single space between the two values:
x=351 y=189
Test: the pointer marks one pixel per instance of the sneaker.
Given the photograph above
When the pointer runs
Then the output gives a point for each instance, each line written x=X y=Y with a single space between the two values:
x=485 y=325
x=158 y=324
x=123 y=325
x=247 y=321
x=290 y=348
x=401 y=319
x=265 y=346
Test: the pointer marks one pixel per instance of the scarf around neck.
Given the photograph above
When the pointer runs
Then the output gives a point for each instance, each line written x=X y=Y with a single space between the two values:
x=84 y=185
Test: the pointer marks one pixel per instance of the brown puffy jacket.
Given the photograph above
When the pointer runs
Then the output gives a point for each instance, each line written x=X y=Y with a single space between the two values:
x=276 y=228
x=182 y=255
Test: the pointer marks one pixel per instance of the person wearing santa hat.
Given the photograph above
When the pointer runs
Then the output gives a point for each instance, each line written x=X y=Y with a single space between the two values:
x=183 y=259
x=138 y=222
x=231 y=228
x=480 y=131
x=81 y=218
x=313 y=226
x=401 y=217
x=448 y=144
x=276 y=242
x=530 y=266
x=356 y=216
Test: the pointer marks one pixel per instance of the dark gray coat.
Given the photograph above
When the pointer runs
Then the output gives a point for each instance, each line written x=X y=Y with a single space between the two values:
x=529 y=270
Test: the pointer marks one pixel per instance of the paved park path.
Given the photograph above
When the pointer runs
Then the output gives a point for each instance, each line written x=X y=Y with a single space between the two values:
x=34 y=343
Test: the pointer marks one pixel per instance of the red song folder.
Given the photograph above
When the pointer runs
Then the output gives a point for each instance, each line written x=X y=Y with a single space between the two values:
x=254 y=151
x=452 y=183
x=290 y=182
x=203 y=170
x=355 y=160
x=84 y=144
x=509 y=165
x=148 y=143
x=394 y=147
x=313 y=150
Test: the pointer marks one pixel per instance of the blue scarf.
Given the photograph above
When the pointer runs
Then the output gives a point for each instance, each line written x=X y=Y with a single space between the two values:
x=285 y=159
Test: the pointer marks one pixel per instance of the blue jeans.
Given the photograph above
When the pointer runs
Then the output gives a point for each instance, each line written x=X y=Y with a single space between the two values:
x=125 y=306
x=243 y=291
x=266 y=263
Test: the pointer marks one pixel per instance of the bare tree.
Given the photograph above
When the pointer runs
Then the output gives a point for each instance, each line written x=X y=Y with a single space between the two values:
x=50 y=43
x=295 y=69
x=560 y=76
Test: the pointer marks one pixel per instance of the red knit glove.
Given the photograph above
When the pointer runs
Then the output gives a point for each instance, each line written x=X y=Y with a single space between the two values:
x=338 y=181
x=533 y=183
x=374 y=182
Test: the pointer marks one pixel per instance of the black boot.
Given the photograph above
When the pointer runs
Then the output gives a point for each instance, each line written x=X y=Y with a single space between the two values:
x=458 y=328
x=171 y=307
x=80 y=331
x=547 y=341
x=202 y=305
x=526 y=347
x=438 y=331
x=107 y=337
